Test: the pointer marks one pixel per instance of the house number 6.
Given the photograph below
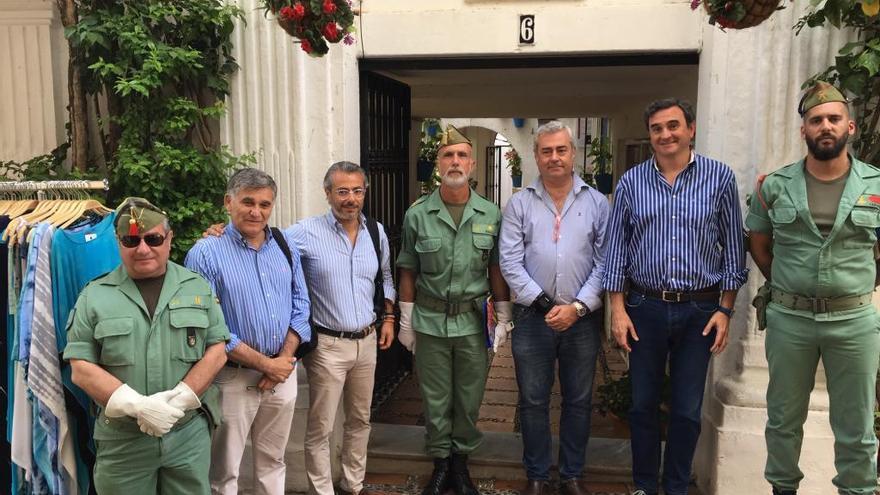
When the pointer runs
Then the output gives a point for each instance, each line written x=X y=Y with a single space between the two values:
x=527 y=29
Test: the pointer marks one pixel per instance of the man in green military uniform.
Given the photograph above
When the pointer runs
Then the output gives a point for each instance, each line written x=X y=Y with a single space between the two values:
x=813 y=235
x=144 y=342
x=448 y=262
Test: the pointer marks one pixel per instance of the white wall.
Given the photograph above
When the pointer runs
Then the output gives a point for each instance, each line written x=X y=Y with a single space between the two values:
x=33 y=79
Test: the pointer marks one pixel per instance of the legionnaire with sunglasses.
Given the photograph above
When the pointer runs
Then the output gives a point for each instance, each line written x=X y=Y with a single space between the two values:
x=448 y=263
x=144 y=342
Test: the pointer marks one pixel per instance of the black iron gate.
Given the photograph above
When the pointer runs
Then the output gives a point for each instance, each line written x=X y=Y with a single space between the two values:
x=494 y=161
x=385 y=125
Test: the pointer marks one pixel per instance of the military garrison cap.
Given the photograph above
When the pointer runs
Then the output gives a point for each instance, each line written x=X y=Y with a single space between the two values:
x=819 y=93
x=134 y=216
x=453 y=136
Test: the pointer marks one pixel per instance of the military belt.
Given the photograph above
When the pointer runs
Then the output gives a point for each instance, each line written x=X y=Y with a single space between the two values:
x=819 y=304
x=450 y=308
x=129 y=424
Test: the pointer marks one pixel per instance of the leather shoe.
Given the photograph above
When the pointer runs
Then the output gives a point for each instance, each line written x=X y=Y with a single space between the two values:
x=439 y=481
x=534 y=487
x=460 y=478
x=571 y=487
x=780 y=491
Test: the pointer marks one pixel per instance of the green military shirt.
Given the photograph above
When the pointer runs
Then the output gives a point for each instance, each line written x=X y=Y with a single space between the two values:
x=110 y=326
x=451 y=262
x=805 y=262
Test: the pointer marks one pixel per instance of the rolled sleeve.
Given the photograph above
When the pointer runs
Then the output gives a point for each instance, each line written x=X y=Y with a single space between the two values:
x=299 y=314
x=758 y=219
x=513 y=254
x=217 y=329
x=81 y=343
x=407 y=258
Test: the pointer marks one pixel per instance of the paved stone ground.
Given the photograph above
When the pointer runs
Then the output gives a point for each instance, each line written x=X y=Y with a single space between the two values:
x=498 y=411
x=401 y=484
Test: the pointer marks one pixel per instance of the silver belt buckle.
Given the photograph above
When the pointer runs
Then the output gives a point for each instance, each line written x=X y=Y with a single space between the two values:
x=820 y=305
x=670 y=296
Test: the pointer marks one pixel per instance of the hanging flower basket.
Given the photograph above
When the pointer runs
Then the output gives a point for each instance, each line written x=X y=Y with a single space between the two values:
x=315 y=23
x=738 y=14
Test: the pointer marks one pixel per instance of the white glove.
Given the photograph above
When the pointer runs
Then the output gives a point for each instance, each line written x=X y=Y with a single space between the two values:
x=407 y=336
x=184 y=398
x=504 y=323
x=154 y=414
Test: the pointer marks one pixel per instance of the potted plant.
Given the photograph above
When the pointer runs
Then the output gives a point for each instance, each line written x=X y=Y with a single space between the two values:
x=428 y=149
x=737 y=14
x=600 y=153
x=514 y=164
x=615 y=398
x=314 y=23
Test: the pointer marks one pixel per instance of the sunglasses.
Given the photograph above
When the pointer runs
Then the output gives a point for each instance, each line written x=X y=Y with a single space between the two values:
x=133 y=241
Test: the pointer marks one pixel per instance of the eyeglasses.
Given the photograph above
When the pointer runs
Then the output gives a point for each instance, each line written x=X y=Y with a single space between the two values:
x=133 y=241
x=344 y=193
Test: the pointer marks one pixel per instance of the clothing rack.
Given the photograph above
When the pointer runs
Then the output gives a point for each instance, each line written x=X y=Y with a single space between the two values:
x=41 y=186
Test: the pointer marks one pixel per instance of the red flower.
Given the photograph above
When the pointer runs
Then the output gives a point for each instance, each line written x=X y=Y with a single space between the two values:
x=299 y=11
x=286 y=13
x=329 y=7
x=331 y=31
x=306 y=46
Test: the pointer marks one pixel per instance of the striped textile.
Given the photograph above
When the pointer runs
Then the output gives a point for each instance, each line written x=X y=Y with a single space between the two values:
x=683 y=237
x=259 y=297
x=340 y=276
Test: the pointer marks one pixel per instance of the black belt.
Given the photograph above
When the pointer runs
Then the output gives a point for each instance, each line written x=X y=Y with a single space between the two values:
x=345 y=335
x=707 y=294
x=234 y=364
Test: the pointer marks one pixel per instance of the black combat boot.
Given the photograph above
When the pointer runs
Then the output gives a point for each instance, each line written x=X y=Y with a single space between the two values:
x=439 y=481
x=780 y=491
x=460 y=478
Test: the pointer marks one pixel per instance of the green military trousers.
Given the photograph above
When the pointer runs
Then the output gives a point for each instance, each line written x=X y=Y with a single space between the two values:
x=849 y=350
x=452 y=377
x=176 y=463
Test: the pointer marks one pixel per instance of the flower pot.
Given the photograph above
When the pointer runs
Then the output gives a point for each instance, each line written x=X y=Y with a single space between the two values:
x=518 y=122
x=424 y=170
x=757 y=11
x=517 y=180
x=604 y=182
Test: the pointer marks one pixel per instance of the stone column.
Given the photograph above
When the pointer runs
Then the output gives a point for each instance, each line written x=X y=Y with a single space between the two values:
x=748 y=93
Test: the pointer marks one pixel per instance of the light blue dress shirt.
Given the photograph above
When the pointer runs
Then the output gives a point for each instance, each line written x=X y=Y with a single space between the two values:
x=259 y=296
x=340 y=276
x=567 y=262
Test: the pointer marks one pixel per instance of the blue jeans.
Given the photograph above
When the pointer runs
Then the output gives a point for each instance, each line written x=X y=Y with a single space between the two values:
x=672 y=331
x=536 y=348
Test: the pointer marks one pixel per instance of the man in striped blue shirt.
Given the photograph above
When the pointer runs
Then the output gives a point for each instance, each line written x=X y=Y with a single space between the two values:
x=674 y=263
x=266 y=306
x=340 y=265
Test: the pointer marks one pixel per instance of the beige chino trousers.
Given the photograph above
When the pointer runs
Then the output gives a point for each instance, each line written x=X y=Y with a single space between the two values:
x=339 y=368
x=264 y=416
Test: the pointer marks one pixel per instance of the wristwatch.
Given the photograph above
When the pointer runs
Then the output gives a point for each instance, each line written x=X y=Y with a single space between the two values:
x=725 y=311
x=581 y=308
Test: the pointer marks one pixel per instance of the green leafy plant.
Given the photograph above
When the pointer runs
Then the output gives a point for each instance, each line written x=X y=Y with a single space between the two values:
x=163 y=67
x=514 y=162
x=429 y=145
x=314 y=22
x=856 y=68
x=600 y=153
x=615 y=397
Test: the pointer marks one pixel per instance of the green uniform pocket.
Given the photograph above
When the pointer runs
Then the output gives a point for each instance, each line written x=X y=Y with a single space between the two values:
x=189 y=326
x=430 y=255
x=785 y=229
x=114 y=339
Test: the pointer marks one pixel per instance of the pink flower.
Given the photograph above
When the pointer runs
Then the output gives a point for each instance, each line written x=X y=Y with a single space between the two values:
x=348 y=40
x=695 y=4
